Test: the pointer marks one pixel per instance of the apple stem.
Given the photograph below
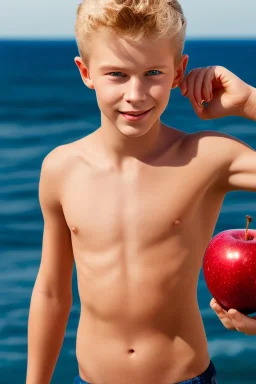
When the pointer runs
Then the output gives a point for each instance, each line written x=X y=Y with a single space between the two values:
x=248 y=220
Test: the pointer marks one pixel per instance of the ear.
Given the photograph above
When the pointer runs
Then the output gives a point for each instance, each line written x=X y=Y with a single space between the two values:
x=84 y=72
x=180 y=71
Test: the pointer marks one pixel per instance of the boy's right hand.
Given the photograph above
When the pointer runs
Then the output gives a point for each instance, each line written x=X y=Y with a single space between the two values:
x=234 y=320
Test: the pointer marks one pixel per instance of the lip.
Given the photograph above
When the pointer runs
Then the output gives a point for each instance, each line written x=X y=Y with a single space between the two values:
x=134 y=112
x=140 y=115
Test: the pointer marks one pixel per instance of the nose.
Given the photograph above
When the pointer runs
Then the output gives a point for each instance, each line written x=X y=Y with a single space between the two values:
x=135 y=91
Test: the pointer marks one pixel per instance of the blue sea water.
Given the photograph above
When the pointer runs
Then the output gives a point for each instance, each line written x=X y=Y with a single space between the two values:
x=44 y=104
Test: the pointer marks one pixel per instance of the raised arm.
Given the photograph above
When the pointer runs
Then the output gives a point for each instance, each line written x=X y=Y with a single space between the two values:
x=52 y=293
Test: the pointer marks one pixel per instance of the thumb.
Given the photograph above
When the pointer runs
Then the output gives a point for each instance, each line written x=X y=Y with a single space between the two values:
x=243 y=323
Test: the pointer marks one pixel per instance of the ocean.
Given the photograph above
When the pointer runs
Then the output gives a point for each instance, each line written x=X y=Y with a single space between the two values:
x=44 y=104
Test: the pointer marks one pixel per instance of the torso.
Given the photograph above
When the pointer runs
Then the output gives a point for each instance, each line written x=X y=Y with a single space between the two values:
x=138 y=241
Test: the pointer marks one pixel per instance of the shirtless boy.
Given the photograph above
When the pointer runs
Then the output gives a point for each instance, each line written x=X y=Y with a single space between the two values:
x=135 y=204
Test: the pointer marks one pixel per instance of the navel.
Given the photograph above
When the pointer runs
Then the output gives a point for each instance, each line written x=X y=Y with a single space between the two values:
x=74 y=230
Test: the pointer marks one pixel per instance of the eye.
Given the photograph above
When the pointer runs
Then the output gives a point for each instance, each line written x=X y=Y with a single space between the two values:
x=121 y=74
x=155 y=70
x=113 y=74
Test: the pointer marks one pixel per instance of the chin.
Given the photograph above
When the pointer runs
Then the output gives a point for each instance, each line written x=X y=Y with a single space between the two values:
x=134 y=131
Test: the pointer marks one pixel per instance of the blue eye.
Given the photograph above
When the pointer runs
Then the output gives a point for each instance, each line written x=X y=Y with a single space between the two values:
x=155 y=70
x=115 y=74
x=111 y=74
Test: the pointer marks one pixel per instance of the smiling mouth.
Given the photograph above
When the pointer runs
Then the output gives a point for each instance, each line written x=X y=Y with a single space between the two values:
x=135 y=113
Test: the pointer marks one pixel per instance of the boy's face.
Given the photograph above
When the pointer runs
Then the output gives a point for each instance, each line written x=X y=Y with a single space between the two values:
x=131 y=77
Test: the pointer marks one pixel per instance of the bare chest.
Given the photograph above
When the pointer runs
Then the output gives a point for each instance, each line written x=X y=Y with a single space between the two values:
x=139 y=208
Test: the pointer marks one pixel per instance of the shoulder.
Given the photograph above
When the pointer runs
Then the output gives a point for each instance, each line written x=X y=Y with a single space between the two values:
x=54 y=169
x=217 y=144
x=57 y=157
x=53 y=164
x=61 y=159
x=207 y=138
x=220 y=152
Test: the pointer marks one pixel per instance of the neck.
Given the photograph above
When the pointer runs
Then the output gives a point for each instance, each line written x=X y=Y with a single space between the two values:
x=120 y=149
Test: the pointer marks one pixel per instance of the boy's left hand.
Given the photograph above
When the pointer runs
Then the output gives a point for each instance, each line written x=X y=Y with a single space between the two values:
x=224 y=92
x=234 y=320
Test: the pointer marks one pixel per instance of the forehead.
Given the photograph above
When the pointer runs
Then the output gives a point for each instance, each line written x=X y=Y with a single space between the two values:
x=109 y=49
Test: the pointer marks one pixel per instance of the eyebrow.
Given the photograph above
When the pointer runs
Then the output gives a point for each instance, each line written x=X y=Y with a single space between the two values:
x=110 y=67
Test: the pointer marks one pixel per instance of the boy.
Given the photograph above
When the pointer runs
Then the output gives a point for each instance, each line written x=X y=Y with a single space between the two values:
x=134 y=205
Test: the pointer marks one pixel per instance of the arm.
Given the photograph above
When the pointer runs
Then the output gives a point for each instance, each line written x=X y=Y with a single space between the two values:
x=226 y=95
x=250 y=109
x=52 y=293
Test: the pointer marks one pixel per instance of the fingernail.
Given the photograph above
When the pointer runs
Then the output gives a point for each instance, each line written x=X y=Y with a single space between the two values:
x=235 y=315
x=232 y=312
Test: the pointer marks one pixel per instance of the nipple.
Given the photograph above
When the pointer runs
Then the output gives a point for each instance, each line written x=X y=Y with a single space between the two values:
x=177 y=222
x=74 y=230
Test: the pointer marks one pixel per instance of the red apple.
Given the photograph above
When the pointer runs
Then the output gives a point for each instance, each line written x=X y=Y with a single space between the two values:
x=229 y=268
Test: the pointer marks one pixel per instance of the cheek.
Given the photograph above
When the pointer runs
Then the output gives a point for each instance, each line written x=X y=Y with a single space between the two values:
x=161 y=89
x=161 y=93
x=107 y=93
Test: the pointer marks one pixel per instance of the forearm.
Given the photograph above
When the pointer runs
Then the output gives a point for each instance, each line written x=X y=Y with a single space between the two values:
x=250 y=109
x=47 y=323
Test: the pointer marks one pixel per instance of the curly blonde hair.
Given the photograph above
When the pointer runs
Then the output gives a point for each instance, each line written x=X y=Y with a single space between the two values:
x=130 y=19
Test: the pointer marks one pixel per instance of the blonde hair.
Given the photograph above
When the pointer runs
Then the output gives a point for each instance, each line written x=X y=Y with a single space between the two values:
x=130 y=19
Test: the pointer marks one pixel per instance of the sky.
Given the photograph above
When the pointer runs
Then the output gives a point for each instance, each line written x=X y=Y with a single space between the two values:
x=56 y=19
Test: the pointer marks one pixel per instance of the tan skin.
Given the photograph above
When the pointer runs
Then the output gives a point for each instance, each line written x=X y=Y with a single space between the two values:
x=133 y=205
x=226 y=95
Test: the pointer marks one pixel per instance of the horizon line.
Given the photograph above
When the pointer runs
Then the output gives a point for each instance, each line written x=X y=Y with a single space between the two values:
x=69 y=38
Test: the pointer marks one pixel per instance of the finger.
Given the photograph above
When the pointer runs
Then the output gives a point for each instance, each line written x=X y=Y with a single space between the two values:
x=187 y=85
x=223 y=316
x=220 y=312
x=187 y=82
x=190 y=84
x=198 y=86
x=207 y=88
x=217 y=307
x=222 y=77
x=213 y=301
x=243 y=323
x=199 y=109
